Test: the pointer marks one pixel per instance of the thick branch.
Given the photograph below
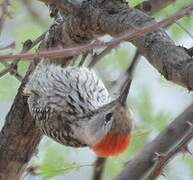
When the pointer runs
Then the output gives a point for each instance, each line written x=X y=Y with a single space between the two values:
x=172 y=61
x=18 y=138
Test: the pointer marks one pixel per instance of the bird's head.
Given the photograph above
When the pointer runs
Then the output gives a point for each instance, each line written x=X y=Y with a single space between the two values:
x=93 y=126
x=107 y=131
x=118 y=137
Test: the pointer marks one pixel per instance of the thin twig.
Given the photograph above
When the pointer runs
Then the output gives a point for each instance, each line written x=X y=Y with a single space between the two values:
x=97 y=57
x=183 y=28
x=13 y=71
x=163 y=159
x=33 y=169
x=84 y=56
x=12 y=67
x=4 y=71
x=99 y=168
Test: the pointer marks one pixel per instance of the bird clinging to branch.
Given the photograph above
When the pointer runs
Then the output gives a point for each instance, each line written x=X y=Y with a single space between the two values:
x=73 y=107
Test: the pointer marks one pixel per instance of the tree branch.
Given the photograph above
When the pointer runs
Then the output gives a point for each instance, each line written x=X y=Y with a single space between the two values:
x=19 y=137
x=173 y=62
x=99 y=168
x=97 y=57
x=163 y=159
x=12 y=70
x=12 y=67
x=148 y=7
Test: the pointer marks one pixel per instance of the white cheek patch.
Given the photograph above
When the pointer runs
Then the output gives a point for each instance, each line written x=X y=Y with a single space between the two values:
x=90 y=136
x=84 y=135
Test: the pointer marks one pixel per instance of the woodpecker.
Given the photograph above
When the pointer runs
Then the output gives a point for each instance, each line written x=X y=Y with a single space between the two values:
x=72 y=106
x=119 y=136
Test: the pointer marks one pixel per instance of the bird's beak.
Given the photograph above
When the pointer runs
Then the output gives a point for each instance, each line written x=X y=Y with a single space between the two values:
x=125 y=91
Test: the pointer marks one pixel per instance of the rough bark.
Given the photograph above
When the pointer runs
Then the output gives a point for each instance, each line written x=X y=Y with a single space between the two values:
x=171 y=61
x=19 y=137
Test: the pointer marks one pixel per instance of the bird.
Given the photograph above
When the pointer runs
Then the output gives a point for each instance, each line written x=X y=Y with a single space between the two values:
x=72 y=106
x=119 y=136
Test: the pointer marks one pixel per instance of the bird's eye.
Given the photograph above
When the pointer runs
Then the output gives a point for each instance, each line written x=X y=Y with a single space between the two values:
x=108 y=117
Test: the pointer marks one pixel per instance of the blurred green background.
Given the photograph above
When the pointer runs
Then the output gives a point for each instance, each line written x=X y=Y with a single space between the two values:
x=154 y=101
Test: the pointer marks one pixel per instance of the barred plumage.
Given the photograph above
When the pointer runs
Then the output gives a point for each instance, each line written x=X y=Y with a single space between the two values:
x=70 y=105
